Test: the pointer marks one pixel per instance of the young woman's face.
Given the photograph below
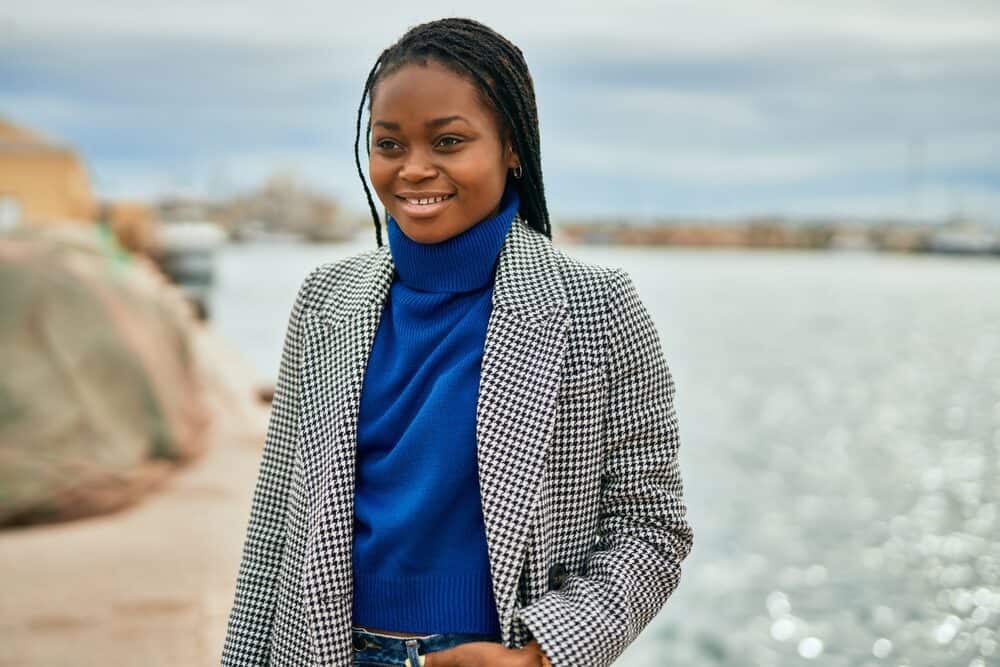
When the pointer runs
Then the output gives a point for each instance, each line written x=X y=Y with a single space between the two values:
x=432 y=137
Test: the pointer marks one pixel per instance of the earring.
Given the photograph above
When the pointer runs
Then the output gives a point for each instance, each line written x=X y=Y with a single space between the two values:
x=518 y=172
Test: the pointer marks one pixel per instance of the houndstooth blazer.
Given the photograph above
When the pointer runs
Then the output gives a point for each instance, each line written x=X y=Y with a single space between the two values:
x=577 y=443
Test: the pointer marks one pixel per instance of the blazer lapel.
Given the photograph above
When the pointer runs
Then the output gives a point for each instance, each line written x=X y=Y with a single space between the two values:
x=524 y=349
x=338 y=336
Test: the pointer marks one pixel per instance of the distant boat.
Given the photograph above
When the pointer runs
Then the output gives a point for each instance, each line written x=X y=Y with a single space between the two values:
x=187 y=256
x=970 y=241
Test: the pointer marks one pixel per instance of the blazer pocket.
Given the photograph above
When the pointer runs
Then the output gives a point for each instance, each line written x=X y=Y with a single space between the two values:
x=585 y=382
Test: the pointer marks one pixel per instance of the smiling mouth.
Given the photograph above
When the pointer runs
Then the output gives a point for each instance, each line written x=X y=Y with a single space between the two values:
x=424 y=208
x=426 y=201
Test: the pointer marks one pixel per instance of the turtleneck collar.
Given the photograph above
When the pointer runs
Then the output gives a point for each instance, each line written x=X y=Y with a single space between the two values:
x=461 y=263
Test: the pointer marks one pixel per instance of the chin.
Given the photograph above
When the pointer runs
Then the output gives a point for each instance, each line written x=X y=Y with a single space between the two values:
x=425 y=232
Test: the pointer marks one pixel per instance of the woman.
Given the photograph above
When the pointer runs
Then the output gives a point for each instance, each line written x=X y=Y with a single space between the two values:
x=472 y=452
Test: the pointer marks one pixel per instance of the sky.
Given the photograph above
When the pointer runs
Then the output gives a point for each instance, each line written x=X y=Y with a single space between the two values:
x=712 y=109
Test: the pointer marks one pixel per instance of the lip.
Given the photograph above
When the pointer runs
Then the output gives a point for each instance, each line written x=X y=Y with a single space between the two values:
x=423 y=210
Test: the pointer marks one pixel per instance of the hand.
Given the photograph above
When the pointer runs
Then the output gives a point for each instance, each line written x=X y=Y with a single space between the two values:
x=486 y=654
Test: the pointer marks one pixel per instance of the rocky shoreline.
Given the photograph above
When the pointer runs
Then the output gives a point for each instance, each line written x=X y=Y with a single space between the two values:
x=126 y=541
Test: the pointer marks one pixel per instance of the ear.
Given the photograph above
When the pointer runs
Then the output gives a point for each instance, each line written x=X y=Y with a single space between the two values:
x=512 y=157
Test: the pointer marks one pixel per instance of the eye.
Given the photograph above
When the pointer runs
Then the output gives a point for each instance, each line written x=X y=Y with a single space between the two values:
x=386 y=144
x=454 y=141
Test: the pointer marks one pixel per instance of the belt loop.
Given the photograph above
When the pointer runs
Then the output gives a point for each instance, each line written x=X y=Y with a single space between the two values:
x=413 y=659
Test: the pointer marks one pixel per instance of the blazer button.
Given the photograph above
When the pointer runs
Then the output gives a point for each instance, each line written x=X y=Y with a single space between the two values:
x=557 y=575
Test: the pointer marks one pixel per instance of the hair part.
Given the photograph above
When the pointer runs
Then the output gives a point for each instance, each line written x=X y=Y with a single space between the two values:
x=500 y=74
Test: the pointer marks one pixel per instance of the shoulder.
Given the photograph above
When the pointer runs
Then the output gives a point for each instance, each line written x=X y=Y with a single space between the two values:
x=331 y=277
x=591 y=287
x=608 y=322
x=347 y=269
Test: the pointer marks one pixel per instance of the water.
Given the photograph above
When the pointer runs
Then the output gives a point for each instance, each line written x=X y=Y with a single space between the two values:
x=840 y=428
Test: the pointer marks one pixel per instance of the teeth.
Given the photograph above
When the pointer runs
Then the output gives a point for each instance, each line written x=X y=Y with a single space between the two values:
x=432 y=200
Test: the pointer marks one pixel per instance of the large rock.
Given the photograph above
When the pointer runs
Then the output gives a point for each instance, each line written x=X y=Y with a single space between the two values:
x=99 y=389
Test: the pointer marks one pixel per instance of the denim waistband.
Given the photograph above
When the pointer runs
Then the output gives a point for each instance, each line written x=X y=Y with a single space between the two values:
x=377 y=647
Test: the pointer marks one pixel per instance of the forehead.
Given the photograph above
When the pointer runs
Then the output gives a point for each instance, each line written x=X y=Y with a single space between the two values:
x=418 y=92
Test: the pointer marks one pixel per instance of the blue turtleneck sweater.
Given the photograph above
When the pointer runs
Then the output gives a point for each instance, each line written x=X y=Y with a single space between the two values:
x=420 y=557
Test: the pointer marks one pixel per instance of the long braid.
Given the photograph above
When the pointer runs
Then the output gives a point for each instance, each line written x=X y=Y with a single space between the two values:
x=499 y=70
x=357 y=159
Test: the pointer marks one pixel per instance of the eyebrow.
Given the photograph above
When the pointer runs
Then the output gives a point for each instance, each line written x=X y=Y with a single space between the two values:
x=434 y=122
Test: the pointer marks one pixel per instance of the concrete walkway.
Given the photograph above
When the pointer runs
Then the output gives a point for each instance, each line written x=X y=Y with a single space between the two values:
x=151 y=584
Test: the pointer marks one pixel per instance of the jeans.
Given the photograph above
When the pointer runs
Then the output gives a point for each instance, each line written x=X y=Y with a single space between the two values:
x=372 y=649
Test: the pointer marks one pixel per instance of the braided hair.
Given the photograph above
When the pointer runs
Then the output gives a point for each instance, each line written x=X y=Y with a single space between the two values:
x=500 y=73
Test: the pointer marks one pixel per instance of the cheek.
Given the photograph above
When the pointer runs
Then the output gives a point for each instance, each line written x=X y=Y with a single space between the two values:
x=379 y=172
x=477 y=173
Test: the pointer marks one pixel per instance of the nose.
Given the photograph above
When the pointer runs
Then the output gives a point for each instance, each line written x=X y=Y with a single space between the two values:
x=417 y=167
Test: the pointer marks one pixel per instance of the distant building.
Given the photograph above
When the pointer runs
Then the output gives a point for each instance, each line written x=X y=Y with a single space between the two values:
x=41 y=181
x=283 y=206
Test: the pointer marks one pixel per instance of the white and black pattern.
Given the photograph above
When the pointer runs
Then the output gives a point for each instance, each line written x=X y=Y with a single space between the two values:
x=577 y=444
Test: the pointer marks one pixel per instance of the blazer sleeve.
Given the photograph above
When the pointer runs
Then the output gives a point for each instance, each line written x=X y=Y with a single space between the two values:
x=643 y=531
x=250 y=619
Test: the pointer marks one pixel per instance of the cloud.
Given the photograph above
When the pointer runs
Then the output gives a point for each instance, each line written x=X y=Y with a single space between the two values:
x=711 y=25
x=653 y=107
